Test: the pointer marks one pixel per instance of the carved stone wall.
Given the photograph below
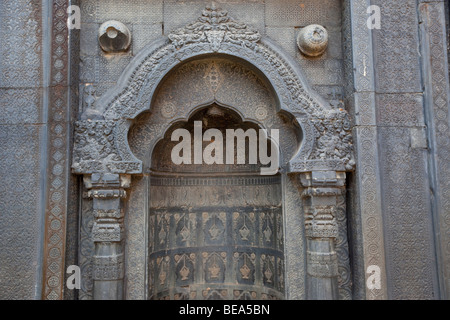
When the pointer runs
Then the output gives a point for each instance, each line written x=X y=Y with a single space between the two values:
x=403 y=160
x=148 y=20
x=375 y=104
x=229 y=71
x=37 y=99
x=436 y=98
x=191 y=85
x=21 y=202
x=385 y=96
x=218 y=237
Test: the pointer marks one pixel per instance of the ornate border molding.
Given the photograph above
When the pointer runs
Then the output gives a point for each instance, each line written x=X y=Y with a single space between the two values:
x=59 y=180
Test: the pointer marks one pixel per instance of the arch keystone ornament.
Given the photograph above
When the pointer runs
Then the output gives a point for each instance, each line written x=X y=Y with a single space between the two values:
x=101 y=135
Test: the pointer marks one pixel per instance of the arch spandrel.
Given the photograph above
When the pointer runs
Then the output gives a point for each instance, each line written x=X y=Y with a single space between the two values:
x=101 y=143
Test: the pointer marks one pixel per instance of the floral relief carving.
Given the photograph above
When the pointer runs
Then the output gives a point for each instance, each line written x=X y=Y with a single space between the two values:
x=215 y=27
x=327 y=134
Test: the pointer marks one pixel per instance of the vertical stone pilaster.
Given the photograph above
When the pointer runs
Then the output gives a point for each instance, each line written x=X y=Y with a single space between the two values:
x=321 y=230
x=108 y=192
x=437 y=114
x=366 y=215
x=403 y=168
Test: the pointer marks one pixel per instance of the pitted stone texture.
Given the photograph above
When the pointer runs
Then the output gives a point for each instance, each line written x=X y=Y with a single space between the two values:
x=144 y=34
x=21 y=168
x=300 y=13
x=20 y=106
x=285 y=37
x=407 y=217
x=110 y=67
x=89 y=39
x=334 y=50
x=438 y=114
x=396 y=47
x=130 y=12
x=21 y=39
x=365 y=213
x=326 y=69
x=400 y=109
x=240 y=41
x=177 y=14
x=89 y=11
x=144 y=19
x=323 y=72
x=103 y=70
x=19 y=206
x=89 y=69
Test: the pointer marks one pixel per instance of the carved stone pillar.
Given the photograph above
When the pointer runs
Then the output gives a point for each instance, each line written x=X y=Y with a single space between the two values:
x=107 y=192
x=321 y=230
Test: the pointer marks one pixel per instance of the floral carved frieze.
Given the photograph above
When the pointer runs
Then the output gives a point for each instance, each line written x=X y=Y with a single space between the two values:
x=97 y=149
x=215 y=27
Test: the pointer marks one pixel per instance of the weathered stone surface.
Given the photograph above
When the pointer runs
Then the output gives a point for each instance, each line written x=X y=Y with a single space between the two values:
x=400 y=110
x=144 y=34
x=294 y=13
x=138 y=11
x=312 y=40
x=244 y=39
x=20 y=105
x=285 y=37
x=89 y=39
x=396 y=47
x=179 y=13
x=437 y=113
x=21 y=34
x=63 y=45
x=393 y=82
x=114 y=36
x=22 y=137
x=411 y=269
x=21 y=207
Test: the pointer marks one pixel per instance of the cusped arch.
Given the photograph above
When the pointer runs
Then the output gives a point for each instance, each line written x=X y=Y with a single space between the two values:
x=101 y=143
x=213 y=80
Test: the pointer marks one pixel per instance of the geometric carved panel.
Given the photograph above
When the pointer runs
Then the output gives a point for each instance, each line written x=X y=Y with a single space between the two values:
x=213 y=249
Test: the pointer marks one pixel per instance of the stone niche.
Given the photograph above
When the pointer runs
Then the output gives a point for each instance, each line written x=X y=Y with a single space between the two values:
x=214 y=231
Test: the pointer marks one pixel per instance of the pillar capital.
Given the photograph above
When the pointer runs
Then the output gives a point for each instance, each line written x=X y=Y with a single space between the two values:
x=322 y=179
x=106 y=181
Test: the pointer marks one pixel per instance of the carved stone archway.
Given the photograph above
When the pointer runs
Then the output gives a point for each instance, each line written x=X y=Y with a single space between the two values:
x=103 y=155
